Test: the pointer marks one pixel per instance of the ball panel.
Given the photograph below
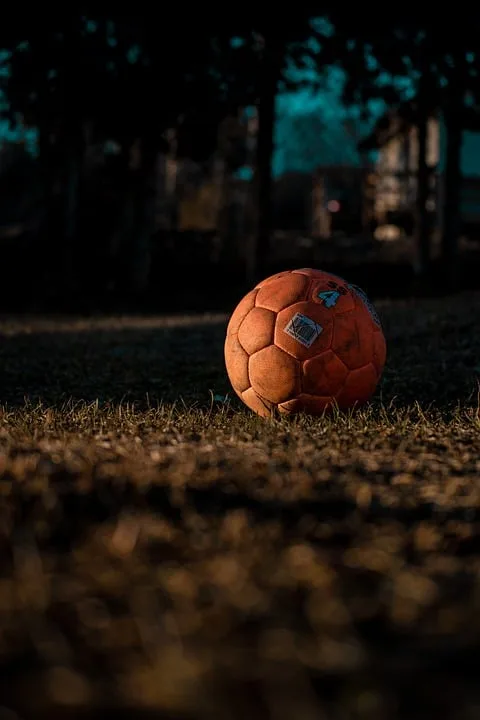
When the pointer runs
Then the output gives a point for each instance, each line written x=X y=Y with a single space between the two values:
x=308 y=272
x=303 y=330
x=311 y=404
x=358 y=387
x=272 y=277
x=236 y=361
x=256 y=330
x=379 y=351
x=364 y=316
x=282 y=292
x=352 y=342
x=315 y=274
x=363 y=301
x=273 y=374
x=246 y=304
x=257 y=404
x=366 y=331
x=324 y=374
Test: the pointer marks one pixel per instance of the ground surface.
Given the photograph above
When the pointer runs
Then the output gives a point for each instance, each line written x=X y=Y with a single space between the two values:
x=195 y=561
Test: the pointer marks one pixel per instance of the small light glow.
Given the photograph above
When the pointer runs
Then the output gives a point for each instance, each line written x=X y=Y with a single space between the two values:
x=333 y=206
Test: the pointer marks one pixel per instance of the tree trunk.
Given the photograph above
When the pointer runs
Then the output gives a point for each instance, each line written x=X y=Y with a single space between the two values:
x=453 y=179
x=49 y=242
x=73 y=167
x=451 y=216
x=62 y=170
x=422 y=227
x=144 y=217
x=221 y=181
x=273 y=53
x=72 y=145
x=123 y=221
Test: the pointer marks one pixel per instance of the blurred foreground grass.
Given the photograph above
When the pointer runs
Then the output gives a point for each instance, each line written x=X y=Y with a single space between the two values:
x=167 y=555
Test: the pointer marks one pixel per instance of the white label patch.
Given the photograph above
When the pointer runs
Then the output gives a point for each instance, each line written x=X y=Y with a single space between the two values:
x=303 y=329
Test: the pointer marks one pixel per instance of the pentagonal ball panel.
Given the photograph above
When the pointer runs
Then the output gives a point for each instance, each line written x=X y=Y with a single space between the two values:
x=358 y=388
x=323 y=374
x=282 y=292
x=236 y=361
x=352 y=340
x=304 y=330
x=241 y=311
x=256 y=330
x=273 y=374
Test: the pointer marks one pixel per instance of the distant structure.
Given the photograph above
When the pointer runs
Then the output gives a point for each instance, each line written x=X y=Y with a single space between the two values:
x=322 y=203
x=390 y=189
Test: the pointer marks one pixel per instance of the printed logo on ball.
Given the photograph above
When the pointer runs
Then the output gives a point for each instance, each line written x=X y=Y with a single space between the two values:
x=303 y=329
x=329 y=297
x=367 y=302
x=332 y=296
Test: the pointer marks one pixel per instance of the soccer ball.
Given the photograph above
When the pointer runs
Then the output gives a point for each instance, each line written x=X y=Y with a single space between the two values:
x=304 y=341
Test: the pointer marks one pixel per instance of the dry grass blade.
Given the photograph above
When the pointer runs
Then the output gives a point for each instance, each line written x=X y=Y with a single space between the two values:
x=165 y=553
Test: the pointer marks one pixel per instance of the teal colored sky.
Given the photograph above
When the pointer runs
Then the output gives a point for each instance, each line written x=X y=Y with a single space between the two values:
x=8 y=132
x=314 y=127
x=310 y=124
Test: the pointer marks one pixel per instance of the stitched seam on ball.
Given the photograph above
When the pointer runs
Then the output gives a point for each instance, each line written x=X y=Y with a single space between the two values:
x=287 y=352
x=309 y=288
x=263 y=400
x=229 y=332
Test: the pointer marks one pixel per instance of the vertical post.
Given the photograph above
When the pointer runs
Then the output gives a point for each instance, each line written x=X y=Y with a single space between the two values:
x=320 y=226
x=422 y=230
x=271 y=63
x=453 y=174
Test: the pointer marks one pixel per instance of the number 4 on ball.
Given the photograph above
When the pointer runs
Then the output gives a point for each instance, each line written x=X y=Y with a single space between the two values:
x=329 y=297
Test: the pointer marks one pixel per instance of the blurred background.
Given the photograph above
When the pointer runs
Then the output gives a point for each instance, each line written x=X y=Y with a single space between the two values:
x=170 y=162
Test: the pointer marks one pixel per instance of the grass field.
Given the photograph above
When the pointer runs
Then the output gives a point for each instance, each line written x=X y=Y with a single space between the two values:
x=186 y=559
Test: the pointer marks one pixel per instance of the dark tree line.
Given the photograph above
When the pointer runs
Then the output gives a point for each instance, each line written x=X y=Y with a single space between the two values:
x=131 y=78
x=439 y=53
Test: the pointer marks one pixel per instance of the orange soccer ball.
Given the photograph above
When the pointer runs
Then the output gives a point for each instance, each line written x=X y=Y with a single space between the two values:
x=304 y=341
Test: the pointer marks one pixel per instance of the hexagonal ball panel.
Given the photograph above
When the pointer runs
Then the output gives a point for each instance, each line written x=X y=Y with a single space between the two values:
x=308 y=272
x=312 y=273
x=236 y=362
x=272 y=277
x=257 y=404
x=273 y=374
x=364 y=317
x=282 y=292
x=241 y=311
x=364 y=304
x=358 y=388
x=309 y=404
x=324 y=374
x=319 y=274
x=379 y=351
x=352 y=340
x=256 y=330
x=293 y=346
